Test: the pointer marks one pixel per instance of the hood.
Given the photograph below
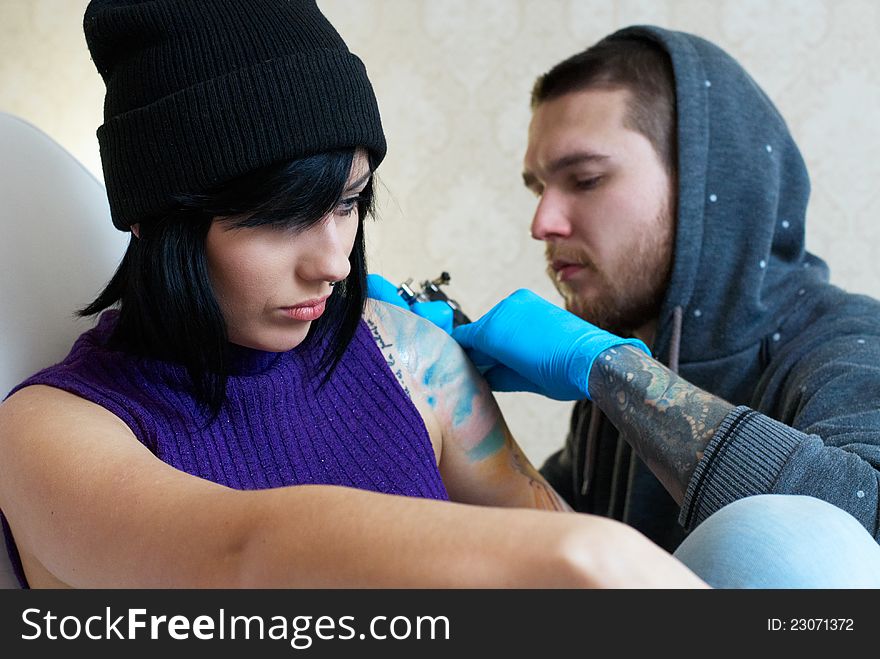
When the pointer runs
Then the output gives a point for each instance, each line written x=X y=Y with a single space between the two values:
x=742 y=197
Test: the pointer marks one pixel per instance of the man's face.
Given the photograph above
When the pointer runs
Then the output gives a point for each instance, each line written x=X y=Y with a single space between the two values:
x=605 y=209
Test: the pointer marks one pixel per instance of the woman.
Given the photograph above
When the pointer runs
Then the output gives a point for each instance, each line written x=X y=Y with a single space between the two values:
x=238 y=416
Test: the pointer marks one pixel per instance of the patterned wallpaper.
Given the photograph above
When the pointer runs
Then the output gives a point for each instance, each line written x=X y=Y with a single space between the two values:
x=453 y=78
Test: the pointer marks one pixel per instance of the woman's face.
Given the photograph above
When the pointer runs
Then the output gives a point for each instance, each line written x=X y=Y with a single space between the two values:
x=272 y=283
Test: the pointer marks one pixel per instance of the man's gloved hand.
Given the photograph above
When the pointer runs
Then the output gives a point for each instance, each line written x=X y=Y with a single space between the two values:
x=526 y=343
x=437 y=312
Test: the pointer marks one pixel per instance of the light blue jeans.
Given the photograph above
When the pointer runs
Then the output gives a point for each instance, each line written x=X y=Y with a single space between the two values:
x=782 y=541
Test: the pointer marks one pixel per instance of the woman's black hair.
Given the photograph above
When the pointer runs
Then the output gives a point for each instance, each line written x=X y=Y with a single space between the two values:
x=167 y=307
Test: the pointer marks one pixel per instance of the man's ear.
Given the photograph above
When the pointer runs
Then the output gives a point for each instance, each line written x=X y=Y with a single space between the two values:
x=136 y=229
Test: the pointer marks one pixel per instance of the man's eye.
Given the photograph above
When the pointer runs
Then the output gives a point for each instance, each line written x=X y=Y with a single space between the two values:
x=587 y=183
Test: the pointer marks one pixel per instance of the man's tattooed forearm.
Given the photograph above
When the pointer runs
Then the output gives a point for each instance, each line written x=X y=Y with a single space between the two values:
x=666 y=420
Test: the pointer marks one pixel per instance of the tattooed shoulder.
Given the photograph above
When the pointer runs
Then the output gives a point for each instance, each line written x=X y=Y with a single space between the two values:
x=419 y=354
x=387 y=347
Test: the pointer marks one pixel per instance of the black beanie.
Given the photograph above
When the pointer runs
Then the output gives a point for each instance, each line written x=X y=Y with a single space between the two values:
x=202 y=91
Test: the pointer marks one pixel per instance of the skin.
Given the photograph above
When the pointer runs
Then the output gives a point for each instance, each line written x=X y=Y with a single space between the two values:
x=667 y=420
x=604 y=209
x=130 y=520
x=257 y=272
x=479 y=460
x=604 y=201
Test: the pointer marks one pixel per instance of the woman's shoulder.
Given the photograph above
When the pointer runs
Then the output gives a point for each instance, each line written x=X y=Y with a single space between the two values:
x=427 y=361
x=40 y=418
x=53 y=405
x=409 y=338
x=414 y=350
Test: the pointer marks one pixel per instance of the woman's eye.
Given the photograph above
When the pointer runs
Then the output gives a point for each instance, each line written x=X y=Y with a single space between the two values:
x=347 y=206
x=587 y=183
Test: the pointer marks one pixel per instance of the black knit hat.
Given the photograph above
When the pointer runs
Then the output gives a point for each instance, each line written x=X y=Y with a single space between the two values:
x=202 y=91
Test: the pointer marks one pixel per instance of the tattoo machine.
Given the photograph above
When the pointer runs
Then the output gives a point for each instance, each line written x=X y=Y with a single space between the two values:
x=431 y=292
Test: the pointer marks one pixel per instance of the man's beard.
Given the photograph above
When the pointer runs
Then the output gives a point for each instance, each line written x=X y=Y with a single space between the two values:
x=630 y=292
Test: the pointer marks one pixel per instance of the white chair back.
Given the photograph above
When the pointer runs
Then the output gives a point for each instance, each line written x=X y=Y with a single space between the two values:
x=58 y=249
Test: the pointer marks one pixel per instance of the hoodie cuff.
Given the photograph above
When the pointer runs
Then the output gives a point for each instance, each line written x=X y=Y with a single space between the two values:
x=744 y=458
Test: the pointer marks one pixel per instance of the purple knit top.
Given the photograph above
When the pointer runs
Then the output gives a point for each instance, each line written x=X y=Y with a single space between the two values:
x=278 y=426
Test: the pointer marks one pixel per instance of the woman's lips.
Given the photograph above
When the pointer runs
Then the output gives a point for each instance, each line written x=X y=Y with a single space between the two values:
x=306 y=311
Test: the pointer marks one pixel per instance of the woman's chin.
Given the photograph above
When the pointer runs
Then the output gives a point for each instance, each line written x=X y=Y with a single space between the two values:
x=273 y=340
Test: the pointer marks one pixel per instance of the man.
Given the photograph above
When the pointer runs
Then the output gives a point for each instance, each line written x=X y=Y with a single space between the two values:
x=671 y=198
x=778 y=389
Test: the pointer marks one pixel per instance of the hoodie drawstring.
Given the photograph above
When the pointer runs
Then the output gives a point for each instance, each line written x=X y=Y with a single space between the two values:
x=590 y=449
x=675 y=339
x=592 y=442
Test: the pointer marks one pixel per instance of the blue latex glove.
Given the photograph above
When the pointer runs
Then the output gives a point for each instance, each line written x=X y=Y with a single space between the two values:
x=526 y=343
x=437 y=312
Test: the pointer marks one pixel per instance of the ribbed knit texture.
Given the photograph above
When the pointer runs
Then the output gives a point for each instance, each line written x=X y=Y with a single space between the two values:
x=202 y=91
x=278 y=426
x=744 y=458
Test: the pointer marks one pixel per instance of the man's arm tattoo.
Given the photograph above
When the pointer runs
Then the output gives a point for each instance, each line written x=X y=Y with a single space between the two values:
x=667 y=420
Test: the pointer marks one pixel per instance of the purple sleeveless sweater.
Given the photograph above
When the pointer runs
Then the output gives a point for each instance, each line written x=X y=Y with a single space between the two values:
x=278 y=426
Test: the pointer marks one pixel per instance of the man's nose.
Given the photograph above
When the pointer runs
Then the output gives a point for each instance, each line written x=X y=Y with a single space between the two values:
x=551 y=219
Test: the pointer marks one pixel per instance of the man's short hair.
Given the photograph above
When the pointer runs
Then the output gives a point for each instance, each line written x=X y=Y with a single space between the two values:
x=637 y=65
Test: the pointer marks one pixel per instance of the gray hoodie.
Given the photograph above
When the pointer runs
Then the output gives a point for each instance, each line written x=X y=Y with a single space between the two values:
x=749 y=316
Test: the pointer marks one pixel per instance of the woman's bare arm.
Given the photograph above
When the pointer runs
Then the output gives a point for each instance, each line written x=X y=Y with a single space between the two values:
x=93 y=508
x=480 y=462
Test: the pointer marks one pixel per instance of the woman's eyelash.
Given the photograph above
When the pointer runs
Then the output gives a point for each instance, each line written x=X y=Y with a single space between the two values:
x=347 y=205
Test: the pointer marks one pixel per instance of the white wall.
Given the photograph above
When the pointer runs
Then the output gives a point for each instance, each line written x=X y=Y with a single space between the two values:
x=453 y=77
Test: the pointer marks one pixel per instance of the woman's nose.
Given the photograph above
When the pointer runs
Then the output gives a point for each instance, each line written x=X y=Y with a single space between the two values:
x=327 y=253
